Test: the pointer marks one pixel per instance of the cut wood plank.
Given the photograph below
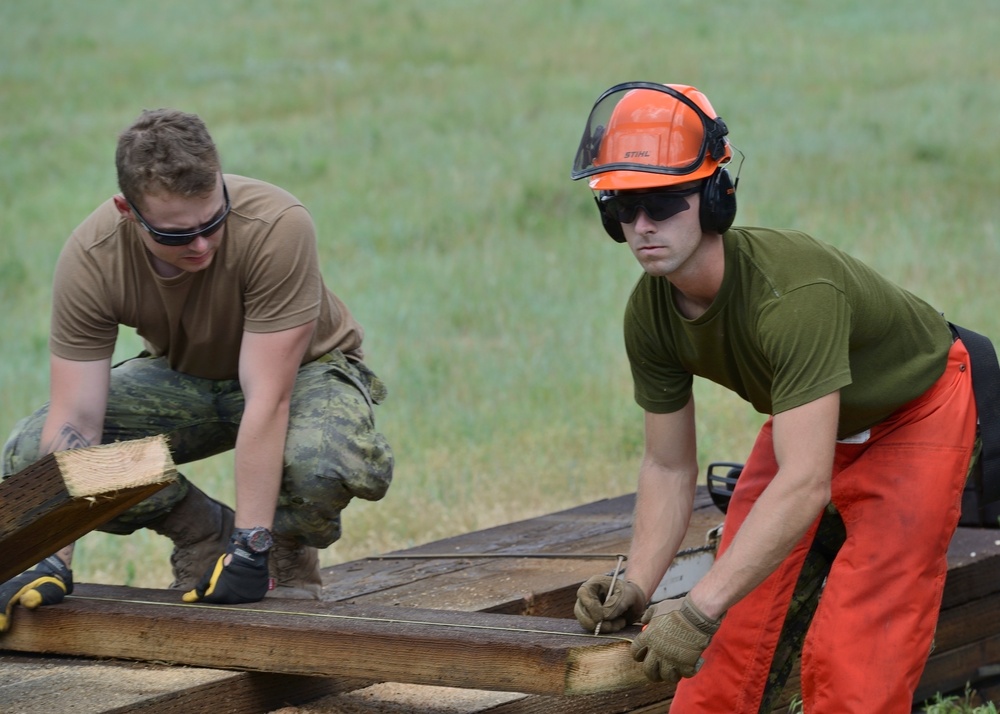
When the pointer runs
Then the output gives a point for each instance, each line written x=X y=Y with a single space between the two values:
x=43 y=685
x=475 y=650
x=65 y=495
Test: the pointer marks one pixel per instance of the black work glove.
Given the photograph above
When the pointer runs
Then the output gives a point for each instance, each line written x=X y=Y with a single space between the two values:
x=673 y=639
x=45 y=584
x=244 y=579
x=624 y=607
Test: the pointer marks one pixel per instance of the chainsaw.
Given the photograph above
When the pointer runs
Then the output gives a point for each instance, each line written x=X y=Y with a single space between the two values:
x=691 y=564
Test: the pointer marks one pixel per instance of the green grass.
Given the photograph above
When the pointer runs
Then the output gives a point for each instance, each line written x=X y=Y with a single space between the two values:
x=964 y=703
x=959 y=704
x=432 y=141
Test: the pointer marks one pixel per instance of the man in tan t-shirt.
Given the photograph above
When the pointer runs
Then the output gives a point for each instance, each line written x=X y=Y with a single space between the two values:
x=246 y=349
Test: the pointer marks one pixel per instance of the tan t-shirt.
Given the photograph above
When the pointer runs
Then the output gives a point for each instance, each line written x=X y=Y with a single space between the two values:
x=264 y=278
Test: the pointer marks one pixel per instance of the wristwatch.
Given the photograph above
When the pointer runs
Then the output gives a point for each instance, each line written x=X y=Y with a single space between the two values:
x=257 y=539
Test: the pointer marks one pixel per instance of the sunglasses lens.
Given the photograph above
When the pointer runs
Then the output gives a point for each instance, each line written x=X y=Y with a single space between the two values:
x=166 y=239
x=658 y=206
x=623 y=212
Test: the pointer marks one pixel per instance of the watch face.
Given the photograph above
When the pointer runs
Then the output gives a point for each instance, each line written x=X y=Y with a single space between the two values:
x=259 y=540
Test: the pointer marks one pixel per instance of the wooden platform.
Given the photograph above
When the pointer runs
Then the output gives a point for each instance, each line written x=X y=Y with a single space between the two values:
x=513 y=584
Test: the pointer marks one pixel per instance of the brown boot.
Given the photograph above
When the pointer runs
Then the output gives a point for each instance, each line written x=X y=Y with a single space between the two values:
x=295 y=570
x=200 y=528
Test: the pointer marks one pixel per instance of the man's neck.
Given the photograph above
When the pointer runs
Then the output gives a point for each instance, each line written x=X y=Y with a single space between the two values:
x=695 y=289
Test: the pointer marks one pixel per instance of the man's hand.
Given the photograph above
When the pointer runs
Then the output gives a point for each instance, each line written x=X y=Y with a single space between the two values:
x=45 y=584
x=624 y=607
x=239 y=575
x=673 y=639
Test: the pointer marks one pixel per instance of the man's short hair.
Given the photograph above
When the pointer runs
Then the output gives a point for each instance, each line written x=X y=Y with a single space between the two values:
x=166 y=151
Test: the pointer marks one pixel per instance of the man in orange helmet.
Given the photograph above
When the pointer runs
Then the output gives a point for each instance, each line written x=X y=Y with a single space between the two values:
x=857 y=473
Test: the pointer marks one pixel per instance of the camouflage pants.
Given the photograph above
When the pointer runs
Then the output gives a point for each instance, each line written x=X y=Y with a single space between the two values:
x=333 y=452
x=829 y=537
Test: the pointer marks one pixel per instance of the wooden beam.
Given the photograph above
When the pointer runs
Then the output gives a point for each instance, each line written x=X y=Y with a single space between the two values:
x=523 y=586
x=472 y=650
x=33 y=684
x=511 y=585
x=64 y=495
x=953 y=669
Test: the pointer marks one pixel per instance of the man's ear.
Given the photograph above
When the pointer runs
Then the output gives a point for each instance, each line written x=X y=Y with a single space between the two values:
x=123 y=208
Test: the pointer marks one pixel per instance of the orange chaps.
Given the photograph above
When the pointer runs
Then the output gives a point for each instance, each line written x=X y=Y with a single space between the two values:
x=899 y=494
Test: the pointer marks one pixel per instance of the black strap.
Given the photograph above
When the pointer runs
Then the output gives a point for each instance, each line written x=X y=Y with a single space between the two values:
x=986 y=385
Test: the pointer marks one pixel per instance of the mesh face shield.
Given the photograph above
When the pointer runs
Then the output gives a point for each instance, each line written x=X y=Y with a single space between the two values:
x=655 y=130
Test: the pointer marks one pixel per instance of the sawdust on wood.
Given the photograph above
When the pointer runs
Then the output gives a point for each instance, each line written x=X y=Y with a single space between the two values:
x=390 y=698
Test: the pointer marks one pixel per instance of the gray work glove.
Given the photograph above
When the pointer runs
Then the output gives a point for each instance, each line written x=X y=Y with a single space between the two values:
x=673 y=639
x=624 y=607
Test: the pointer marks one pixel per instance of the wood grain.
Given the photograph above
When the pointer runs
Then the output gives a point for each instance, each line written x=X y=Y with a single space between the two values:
x=65 y=495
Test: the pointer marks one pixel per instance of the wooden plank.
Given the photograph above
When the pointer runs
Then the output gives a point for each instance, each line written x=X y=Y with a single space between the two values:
x=42 y=685
x=516 y=586
x=369 y=581
x=445 y=648
x=65 y=495
x=971 y=621
x=970 y=577
x=973 y=566
x=950 y=670
x=523 y=586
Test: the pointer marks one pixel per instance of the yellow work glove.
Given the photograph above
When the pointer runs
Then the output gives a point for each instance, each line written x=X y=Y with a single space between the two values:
x=674 y=636
x=243 y=579
x=45 y=584
x=624 y=607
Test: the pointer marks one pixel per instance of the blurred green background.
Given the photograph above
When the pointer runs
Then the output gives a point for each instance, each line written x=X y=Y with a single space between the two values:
x=432 y=142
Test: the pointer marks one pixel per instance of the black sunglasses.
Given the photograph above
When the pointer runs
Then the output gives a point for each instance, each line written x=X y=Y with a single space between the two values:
x=658 y=205
x=176 y=238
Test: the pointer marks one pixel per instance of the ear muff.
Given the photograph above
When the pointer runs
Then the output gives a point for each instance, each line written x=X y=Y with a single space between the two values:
x=611 y=224
x=718 y=202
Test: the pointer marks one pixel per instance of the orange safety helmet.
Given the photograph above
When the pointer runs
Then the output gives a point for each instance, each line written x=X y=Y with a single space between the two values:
x=646 y=135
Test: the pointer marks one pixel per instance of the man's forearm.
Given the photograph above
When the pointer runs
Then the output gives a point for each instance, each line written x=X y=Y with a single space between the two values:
x=260 y=446
x=776 y=523
x=662 y=514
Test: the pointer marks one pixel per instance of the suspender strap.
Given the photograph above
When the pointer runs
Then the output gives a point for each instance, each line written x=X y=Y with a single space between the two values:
x=986 y=386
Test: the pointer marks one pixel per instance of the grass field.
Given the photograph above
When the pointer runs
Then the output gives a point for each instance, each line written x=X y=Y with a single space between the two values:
x=432 y=141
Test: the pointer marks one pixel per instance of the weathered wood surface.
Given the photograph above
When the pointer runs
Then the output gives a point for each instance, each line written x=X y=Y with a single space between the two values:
x=970 y=609
x=518 y=586
x=34 y=684
x=437 y=647
x=968 y=634
x=67 y=494
x=523 y=586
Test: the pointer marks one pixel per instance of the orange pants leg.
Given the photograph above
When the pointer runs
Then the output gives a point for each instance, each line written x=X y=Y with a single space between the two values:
x=899 y=494
x=900 y=501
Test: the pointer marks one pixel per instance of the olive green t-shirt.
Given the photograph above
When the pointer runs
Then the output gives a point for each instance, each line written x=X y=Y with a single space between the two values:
x=795 y=319
x=264 y=278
